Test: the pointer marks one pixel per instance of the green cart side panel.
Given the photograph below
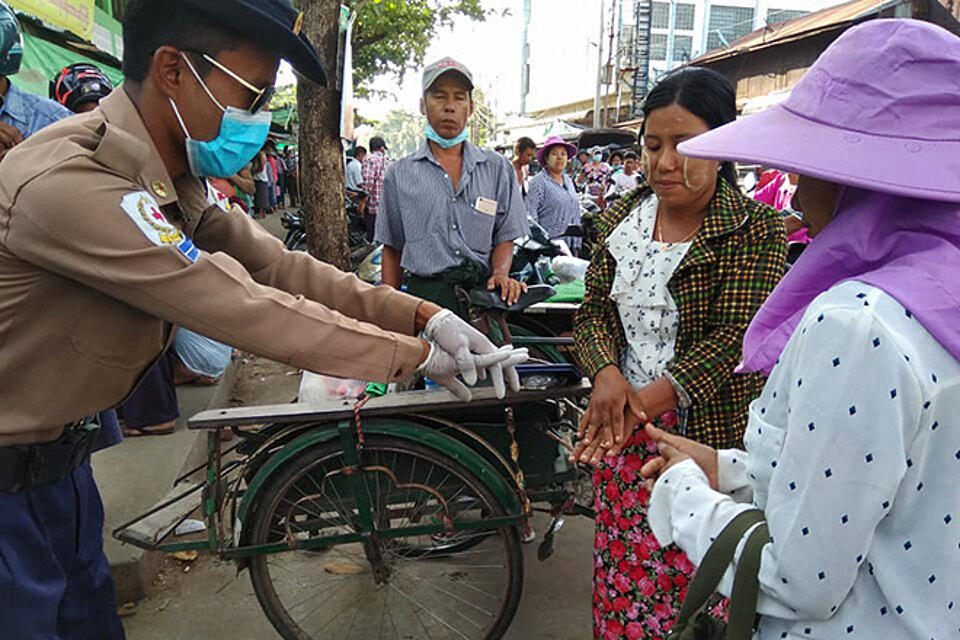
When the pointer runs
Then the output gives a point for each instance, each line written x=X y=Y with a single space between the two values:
x=407 y=430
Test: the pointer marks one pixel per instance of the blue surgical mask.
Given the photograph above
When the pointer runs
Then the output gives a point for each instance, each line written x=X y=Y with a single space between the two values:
x=242 y=135
x=446 y=143
x=598 y=157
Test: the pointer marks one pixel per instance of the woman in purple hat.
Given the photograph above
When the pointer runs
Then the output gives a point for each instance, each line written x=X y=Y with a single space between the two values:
x=552 y=199
x=853 y=448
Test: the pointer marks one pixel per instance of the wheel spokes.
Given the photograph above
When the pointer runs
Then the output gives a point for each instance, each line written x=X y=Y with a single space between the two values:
x=439 y=586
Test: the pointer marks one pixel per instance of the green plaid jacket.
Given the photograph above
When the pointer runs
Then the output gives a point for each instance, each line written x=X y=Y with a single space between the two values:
x=735 y=261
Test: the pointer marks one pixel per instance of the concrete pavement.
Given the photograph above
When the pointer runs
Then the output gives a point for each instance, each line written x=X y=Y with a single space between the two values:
x=136 y=474
x=212 y=601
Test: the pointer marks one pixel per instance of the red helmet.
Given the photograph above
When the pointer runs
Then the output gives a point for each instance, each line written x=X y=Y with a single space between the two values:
x=80 y=82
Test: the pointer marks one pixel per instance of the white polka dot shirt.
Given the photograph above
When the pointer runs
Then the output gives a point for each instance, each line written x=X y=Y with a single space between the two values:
x=853 y=453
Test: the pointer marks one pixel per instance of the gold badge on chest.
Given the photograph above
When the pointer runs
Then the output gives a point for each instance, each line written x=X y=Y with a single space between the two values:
x=159 y=188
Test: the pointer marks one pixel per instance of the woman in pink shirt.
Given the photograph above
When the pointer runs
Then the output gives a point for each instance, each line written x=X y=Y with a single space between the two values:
x=778 y=193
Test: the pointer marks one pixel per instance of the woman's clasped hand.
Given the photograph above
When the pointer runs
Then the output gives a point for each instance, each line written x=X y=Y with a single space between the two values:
x=675 y=449
x=615 y=410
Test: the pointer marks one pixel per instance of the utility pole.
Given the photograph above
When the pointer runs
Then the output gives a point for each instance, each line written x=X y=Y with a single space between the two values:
x=596 y=100
x=608 y=70
x=671 y=25
x=525 y=58
x=617 y=77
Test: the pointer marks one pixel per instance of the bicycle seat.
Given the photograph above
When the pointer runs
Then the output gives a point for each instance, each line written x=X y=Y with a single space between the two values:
x=490 y=300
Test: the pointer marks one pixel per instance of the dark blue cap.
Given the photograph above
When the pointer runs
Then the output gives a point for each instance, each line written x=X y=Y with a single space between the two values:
x=272 y=24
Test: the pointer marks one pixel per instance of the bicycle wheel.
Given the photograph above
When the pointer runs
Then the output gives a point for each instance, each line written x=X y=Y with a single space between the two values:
x=463 y=594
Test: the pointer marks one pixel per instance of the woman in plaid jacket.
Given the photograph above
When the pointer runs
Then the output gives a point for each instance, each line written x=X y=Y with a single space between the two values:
x=680 y=268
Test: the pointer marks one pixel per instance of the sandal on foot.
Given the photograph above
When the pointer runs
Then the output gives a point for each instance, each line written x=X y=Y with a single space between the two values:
x=162 y=429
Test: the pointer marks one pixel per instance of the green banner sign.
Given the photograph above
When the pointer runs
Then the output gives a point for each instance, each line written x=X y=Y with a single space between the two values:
x=43 y=59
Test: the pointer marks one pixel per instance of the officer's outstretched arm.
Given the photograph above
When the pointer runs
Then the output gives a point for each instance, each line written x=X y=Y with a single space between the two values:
x=269 y=263
x=121 y=244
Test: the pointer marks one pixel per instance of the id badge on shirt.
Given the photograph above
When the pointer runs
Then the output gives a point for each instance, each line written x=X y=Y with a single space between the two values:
x=487 y=206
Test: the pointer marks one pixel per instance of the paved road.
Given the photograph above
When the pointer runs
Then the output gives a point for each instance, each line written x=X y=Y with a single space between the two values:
x=213 y=602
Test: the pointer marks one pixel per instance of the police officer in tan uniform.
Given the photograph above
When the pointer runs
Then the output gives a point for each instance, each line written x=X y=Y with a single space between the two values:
x=109 y=238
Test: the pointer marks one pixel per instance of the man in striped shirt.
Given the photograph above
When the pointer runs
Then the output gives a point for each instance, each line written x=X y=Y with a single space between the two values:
x=450 y=211
x=374 y=167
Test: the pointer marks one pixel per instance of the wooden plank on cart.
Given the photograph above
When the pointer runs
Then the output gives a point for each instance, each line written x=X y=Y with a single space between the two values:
x=149 y=531
x=392 y=403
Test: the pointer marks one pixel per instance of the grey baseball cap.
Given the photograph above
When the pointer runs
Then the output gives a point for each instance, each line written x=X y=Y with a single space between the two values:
x=442 y=66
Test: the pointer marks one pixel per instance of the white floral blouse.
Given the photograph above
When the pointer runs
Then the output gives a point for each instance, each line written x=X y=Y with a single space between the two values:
x=647 y=310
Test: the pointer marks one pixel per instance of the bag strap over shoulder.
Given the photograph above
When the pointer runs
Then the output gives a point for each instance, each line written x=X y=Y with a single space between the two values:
x=715 y=562
x=746 y=586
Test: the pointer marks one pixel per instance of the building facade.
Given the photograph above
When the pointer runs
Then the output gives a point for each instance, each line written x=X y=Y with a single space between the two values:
x=766 y=65
x=681 y=30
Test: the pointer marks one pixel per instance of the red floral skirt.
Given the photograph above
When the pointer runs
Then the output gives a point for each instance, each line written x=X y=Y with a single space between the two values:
x=638 y=586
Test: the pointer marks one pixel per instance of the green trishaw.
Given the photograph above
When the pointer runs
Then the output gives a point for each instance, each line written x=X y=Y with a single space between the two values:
x=393 y=517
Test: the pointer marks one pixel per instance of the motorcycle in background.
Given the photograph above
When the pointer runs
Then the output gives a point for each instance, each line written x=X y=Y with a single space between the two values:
x=360 y=248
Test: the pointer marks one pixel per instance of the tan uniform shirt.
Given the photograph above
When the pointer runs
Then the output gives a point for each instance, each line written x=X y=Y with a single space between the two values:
x=101 y=253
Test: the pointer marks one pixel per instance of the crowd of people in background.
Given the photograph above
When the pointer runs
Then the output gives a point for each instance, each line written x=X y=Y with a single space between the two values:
x=276 y=180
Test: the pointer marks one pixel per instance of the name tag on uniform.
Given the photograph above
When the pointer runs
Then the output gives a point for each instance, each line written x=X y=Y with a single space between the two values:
x=487 y=206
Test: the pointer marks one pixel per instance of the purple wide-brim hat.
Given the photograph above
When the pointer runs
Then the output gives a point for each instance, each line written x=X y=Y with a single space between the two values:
x=879 y=110
x=553 y=141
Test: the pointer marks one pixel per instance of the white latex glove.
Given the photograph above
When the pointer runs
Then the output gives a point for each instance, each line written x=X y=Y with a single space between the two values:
x=508 y=369
x=442 y=367
x=452 y=334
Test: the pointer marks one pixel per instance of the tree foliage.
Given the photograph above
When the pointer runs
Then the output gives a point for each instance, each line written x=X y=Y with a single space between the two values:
x=483 y=122
x=391 y=36
x=285 y=96
x=403 y=131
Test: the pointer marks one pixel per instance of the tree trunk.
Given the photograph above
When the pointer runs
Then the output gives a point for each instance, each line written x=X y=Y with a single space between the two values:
x=321 y=156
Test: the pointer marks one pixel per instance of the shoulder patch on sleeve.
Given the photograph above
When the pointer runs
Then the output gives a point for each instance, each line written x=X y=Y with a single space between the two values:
x=145 y=213
x=217 y=198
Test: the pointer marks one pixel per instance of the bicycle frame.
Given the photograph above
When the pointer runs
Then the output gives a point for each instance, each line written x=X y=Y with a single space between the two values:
x=319 y=425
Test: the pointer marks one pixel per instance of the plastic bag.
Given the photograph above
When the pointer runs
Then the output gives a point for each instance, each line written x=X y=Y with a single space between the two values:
x=320 y=389
x=200 y=354
x=569 y=268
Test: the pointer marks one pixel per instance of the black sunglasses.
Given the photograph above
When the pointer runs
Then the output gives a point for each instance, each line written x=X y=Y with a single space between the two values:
x=262 y=96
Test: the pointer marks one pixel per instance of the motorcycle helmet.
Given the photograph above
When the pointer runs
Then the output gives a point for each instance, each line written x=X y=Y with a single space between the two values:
x=11 y=42
x=79 y=83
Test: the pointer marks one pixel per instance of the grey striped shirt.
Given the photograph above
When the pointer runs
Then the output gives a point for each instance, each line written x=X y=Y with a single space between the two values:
x=555 y=207
x=436 y=228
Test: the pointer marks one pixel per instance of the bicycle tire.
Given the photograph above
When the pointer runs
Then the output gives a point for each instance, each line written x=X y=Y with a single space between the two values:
x=284 y=481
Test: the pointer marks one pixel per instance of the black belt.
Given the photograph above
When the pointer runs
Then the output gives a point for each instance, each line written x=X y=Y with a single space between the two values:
x=27 y=466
